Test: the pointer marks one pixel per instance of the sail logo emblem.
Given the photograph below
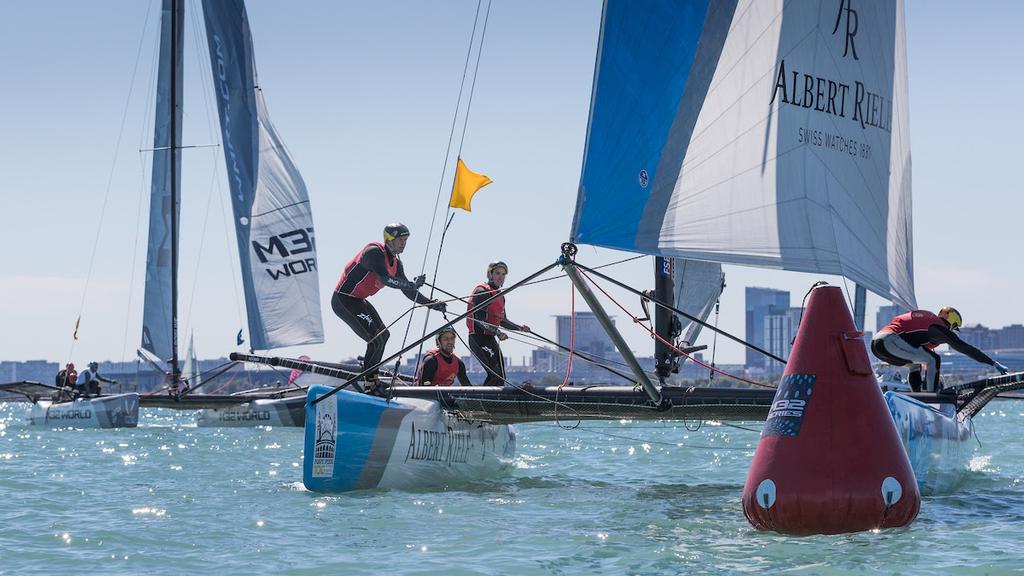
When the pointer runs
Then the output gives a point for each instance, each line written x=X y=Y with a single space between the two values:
x=644 y=180
x=852 y=23
x=325 y=438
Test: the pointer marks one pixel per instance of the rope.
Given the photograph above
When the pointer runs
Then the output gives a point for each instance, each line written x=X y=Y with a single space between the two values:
x=405 y=349
x=714 y=341
x=595 y=360
x=110 y=182
x=666 y=342
x=681 y=313
x=447 y=157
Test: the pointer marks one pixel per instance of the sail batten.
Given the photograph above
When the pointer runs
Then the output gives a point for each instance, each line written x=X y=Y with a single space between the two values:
x=272 y=215
x=754 y=132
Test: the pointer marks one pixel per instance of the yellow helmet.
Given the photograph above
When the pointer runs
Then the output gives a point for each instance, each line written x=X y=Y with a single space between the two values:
x=395 y=230
x=952 y=316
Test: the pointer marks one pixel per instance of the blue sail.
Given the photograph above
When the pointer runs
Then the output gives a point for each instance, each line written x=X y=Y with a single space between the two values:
x=765 y=133
x=273 y=220
x=156 y=318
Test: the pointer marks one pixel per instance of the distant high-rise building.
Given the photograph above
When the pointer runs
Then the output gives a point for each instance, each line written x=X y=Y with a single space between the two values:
x=780 y=331
x=761 y=302
x=589 y=338
x=885 y=314
x=979 y=336
x=31 y=370
x=1010 y=337
x=545 y=360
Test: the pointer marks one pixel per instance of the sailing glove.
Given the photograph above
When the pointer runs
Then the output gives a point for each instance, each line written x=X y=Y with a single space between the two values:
x=438 y=305
x=420 y=280
x=1002 y=369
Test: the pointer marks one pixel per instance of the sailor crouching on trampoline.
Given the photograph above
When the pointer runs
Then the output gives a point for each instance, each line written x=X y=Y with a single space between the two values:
x=911 y=338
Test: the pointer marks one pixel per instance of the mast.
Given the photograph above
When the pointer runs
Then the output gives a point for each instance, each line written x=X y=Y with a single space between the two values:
x=569 y=267
x=176 y=9
x=860 y=296
x=664 y=319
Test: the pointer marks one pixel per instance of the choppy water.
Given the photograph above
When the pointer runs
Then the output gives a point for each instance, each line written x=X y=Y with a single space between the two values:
x=608 y=498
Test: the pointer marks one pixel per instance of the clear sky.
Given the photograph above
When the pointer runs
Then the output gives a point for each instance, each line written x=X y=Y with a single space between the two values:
x=363 y=94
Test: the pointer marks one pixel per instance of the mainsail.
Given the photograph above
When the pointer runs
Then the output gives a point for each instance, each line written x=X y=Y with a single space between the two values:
x=754 y=132
x=273 y=221
x=158 y=302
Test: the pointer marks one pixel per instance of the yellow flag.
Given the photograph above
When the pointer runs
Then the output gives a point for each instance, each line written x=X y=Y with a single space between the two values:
x=77 y=322
x=466 y=184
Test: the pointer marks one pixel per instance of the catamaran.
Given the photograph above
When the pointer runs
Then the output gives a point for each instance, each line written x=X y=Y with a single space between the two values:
x=273 y=228
x=272 y=216
x=768 y=134
x=55 y=406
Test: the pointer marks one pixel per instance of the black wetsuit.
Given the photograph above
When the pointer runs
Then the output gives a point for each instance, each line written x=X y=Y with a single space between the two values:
x=483 y=331
x=360 y=280
x=910 y=339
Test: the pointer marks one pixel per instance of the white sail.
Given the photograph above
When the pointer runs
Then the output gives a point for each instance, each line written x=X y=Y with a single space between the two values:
x=190 y=371
x=273 y=219
x=697 y=288
x=754 y=132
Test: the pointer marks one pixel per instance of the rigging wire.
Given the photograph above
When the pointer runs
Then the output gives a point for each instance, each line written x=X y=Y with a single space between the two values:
x=141 y=195
x=599 y=361
x=110 y=179
x=666 y=342
x=200 y=49
x=447 y=154
x=449 y=216
x=681 y=313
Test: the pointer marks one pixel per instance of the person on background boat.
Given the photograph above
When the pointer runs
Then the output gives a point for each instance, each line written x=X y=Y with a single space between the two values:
x=440 y=367
x=89 y=380
x=485 y=324
x=66 y=379
x=375 y=266
x=911 y=338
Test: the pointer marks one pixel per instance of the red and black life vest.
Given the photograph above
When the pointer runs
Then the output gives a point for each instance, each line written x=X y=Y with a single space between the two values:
x=914 y=321
x=371 y=283
x=447 y=368
x=495 y=310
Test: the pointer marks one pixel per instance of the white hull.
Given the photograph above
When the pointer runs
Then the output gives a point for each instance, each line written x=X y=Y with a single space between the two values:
x=938 y=441
x=117 y=411
x=355 y=441
x=278 y=412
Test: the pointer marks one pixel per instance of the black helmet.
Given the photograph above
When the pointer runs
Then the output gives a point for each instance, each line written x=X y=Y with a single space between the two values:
x=496 y=264
x=449 y=329
x=395 y=230
x=94 y=366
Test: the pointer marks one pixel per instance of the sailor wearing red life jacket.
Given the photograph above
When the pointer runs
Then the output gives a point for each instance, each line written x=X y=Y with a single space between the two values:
x=911 y=338
x=485 y=324
x=375 y=266
x=440 y=367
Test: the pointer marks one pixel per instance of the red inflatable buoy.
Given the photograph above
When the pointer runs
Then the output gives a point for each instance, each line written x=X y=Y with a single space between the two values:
x=829 y=460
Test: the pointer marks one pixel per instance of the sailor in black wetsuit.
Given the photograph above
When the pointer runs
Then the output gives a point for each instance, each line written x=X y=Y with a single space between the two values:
x=910 y=338
x=375 y=266
x=485 y=324
x=440 y=366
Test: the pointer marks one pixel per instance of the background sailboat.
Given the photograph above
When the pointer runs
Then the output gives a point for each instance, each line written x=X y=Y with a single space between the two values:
x=272 y=216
